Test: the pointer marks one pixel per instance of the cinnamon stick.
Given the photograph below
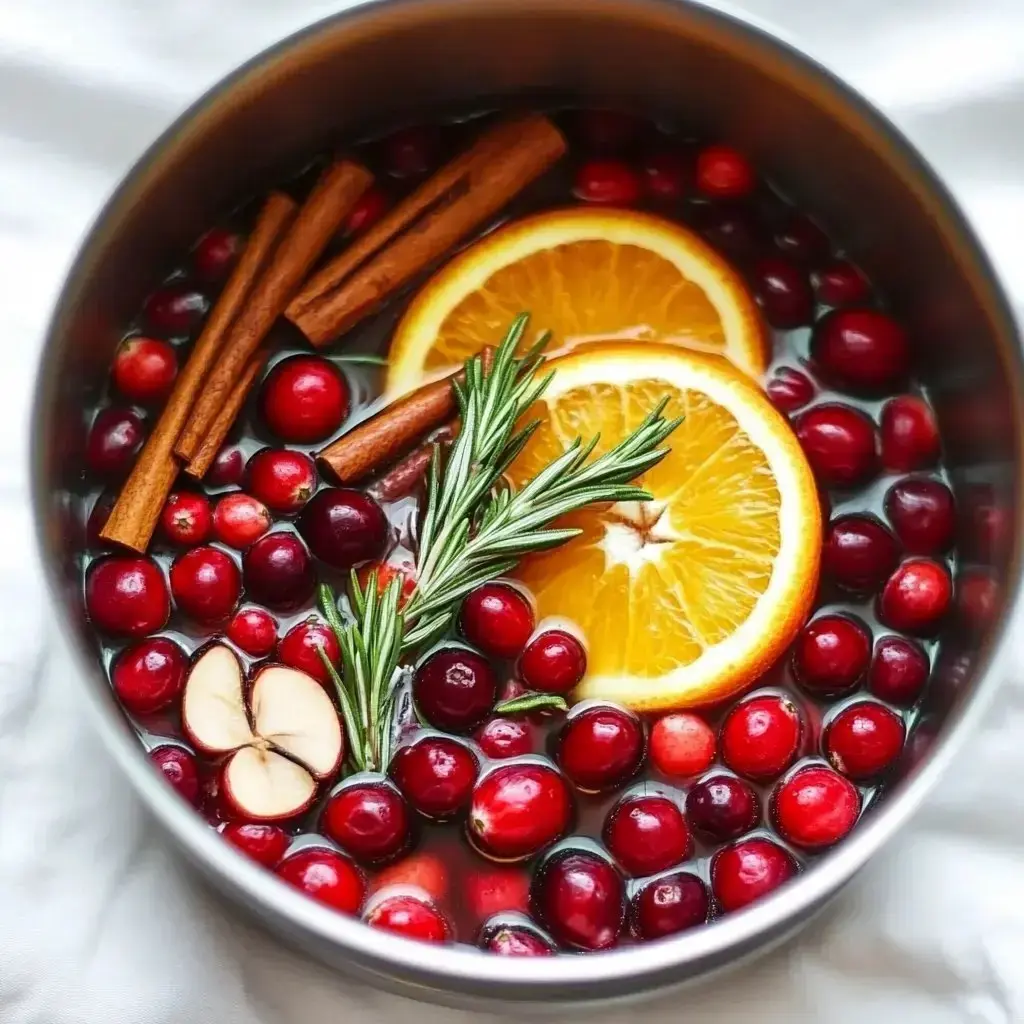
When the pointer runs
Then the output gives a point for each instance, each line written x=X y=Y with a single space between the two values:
x=403 y=477
x=138 y=506
x=332 y=198
x=458 y=198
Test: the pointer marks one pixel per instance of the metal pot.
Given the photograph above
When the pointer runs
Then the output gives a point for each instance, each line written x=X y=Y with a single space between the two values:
x=391 y=60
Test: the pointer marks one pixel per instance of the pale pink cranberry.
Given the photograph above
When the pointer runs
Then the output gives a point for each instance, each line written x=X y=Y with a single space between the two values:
x=682 y=744
x=815 y=807
x=126 y=595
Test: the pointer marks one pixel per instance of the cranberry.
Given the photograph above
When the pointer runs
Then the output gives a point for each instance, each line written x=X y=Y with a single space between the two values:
x=283 y=480
x=580 y=898
x=149 y=676
x=760 y=737
x=749 y=870
x=723 y=173
x=436 y=774
x=801 y=239
x=722 y=807
x=410 y=917
x=254 y=630
x=384 y=573
x=126 y=595
x=988 y=525
x=859 y=553
x=369 y=208
x=669 y=905
x=455 y=689
x=647 y=834
x=815 y=807
x=186 y=519
x=840 y=443
x=916 y=597
x=899 y=670
x=840 y=284
x=174 y=309
x=861 y=350
x=831 y=655
x=498 y=890
x=497 y=619
x=419 y=871
x=179 y=769
x=863 y=740
x=344 y=527
x=607 y=183
x=601 y=747
x=304 y=399
x=665 y=176
x=265 y=844
x=240 y=520
x=923 y=514
x=553 y=662
x=279 y=572
x=500 y=738
x=114 y=440
x=227 y=468
x=731 y=229
x=518 y=810
x=215 y=253
x=144 y=370
x=412 y=151
x=783 y=292
x=206 y=584
x=910 y=435
x=513 y=940
x=977 y=600
x=607 y=131
x=300 y=647
x=790 y=390
x=326 y=876
x=682 y=744
x=369 y=821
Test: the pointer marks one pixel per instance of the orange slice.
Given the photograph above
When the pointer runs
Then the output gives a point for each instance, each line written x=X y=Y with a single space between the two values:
x=585 y=275
x=684 y=600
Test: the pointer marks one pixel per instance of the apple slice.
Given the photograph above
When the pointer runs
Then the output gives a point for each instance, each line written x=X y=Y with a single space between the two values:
x=212 y=708
x=263 y=786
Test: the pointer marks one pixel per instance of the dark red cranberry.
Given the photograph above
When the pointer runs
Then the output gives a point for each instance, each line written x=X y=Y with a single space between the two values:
x=369 y=208
x=369 y=821
x=304 y=399
x=455 y=689
x=831 y=655
x=910 y=435
x=409 y=916
x=283 y=480
x=841 y=284
x=500 y=737
x=607 y=131
x=174 y=309
x=840 y=443
x=861 y=350
x=923 y=514
x=580 y=898
x=254 y=630
x=149 y=676
x=344 y=527
x=601 y=747
x=497 y=890
x=227 y=469
x=859 y=553
x=179 y=769
x=497 y=619
x=186 y=519
x=666 y=175
x=731 y=229
x=790 y=390
x=279 y=572
x=647 y=834
x=899 y=671
x=206 y=584
x=326 y=876
x=215 y=254
x=748 y=871
x=978 y=599
x=516 y=940
x=265 y=844
x=815 y=807
x=437 y=775
x=519 y=809
x=916 y=597
x=126 y=595
x=413 y=151
x=666 y=906
x=863 y=740
x=553 y=662
x=98 y=516
x=144 y=370
x=682 y=744
x=722 y=807
x=783 y=292
x=760 y=737
x=300 y=648
x=607 y=183
x=801 y=239
x=724 y=173
x=114 y=440
x=240 y=520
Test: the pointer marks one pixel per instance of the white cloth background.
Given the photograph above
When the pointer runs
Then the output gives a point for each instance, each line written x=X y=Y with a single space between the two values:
x=99 y=922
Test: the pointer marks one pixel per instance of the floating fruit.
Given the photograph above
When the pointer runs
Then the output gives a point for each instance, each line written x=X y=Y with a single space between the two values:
x=327 y=876
x=669 y=905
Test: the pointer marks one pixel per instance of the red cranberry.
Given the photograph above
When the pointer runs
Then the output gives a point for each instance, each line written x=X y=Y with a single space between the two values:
x=411 y=152
x=265 y=844
x=369 y=208
x=731 y=229
x=279 y=572
x=518 y=810
x=580 y=898
x=748 y=871
x=513 y=940
x=831 y=655
x=344 y=527
x=227 y=468
x=418 y=871
x=815 y=807
x=682 y=744
x=923 y=514
x=801 y=239
x=206 y=584
x=978 y=600
x=840 y=443
x=665 y=176
x=369 y=821
x=126 y=596
x=436 y=774
x=384 y=573
x=498 y=890
x=666 y=906
x=760 y=737
x=607 y=131
x=240 y=520
x=840 y=284
x=299 y=648
x=410 y=917
x=149 y=676
x=899 y=671
x=861 y=350
x=500 y=738
x=497 y=619
x=326 y=876
x=723 y=173
x=910 y=435
x=647 y=834
x=144 y=370
x=114 y=440
x=790 y=390
x=916 y=597
x=179 y=769
x=863 y=740
x=254 y=630
x=607 y=183
x=283 y=480
x=722 y=807
x=215 y=254
x=455 y=689
x=174 y=309
x=304 y=399
x=553 y=662
x=186 y=519
x=783 y=292
x=859 y=553
x=601 y=747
